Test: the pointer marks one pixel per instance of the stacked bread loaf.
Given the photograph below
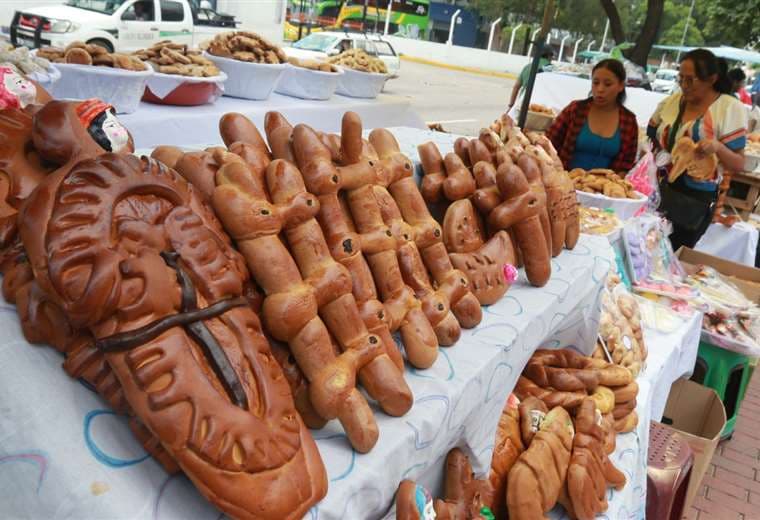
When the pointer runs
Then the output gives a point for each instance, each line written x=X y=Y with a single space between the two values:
x=518 y=186
x=362 y=258
x=621 y=338
x=183 y=287
x=552 y=446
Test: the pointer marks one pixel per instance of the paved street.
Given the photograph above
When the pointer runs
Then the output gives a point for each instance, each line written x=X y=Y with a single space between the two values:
x=470 y=101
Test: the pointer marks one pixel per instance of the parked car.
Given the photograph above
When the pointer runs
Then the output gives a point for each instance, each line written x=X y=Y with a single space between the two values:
x=118 y=25
x=665 y=81
x=636 y=75
x=328 y=43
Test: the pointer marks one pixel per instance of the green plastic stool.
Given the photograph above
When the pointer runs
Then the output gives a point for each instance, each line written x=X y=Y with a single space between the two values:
x=726 y=372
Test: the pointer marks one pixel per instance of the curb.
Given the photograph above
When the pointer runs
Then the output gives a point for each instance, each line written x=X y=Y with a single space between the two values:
x=472 y=70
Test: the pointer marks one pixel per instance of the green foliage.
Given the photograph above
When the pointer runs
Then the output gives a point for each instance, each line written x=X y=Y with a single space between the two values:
x=506 y=34
x=674 y=34
x=713 y=22
x=512 y=10
x=730 y=22
x=581 y=17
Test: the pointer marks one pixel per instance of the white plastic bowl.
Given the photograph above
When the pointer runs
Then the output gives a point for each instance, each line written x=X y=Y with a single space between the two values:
x=308 y=84
x=248 y=80
x=358 y=84
x=624 y=208
x=121 y=88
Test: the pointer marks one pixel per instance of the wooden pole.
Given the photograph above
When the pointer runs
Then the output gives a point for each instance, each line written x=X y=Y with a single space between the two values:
x=538 y=47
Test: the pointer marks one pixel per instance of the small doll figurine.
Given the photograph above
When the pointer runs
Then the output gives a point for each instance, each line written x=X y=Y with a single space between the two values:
x=414 y=502
x=100 y=121
x=15 y=90
x=424 y=502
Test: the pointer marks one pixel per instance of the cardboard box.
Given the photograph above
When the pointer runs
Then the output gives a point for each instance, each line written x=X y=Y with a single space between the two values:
x=699 y=416
x=746 y=278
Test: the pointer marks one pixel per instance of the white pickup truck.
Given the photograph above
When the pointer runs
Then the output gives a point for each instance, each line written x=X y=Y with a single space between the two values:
x=118 y=25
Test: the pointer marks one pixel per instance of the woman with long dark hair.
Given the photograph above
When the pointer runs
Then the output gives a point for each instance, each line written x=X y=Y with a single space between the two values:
x=598 y=132
x=705 y=111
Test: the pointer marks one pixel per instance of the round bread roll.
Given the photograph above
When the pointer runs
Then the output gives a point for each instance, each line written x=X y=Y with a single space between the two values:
x=627 y=423
x=78 y=56
x=623 y=409
x=169 y=155
x=626 y=393
x=604 y=398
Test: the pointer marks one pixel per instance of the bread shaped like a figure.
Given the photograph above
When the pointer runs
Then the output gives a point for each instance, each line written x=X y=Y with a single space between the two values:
x=507 y=448
x=434 y=172
x=333 y=285
x=521 y=210
x=445 y=176
x=542 y=468
x=355 y=231
x=532 y=171
x=573 y=363
x=465 y=496
x=425 y=231
x=290 y=309
x=435 y=303
x=489 y=265
x=323 y=179
x=561 y=201
x=130 y=252
x=590 y=471
x=67 y=132
x=686 y=158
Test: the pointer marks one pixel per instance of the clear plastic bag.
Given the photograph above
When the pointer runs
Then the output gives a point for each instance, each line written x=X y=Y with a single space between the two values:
x=653 y=265
x=643 y=176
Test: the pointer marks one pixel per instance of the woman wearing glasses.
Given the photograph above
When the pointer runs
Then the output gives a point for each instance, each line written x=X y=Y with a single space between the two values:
x=598 y=132
x=705 y=111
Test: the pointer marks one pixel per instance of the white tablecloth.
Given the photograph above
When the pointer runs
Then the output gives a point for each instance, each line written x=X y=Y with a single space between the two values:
x=64 y=454
x=737 y=243
x=154 y=125
x=670 y=356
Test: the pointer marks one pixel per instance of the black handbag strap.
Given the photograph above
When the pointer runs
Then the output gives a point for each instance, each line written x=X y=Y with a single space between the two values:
x=676 y=126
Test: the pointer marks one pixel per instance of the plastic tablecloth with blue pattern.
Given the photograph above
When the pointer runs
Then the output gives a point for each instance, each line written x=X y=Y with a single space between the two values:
x=63 y=454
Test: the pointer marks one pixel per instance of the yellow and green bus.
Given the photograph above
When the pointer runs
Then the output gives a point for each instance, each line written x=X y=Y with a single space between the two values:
x=408 y=17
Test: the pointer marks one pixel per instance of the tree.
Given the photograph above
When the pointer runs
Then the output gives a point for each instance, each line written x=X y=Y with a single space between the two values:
x=674 y=34
x=647 y=36
x=523 y=33
x=580 y=17
x=731 y=22
x=674 y=22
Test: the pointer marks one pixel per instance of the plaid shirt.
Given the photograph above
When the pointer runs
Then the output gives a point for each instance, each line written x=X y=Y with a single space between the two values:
x=564 y=132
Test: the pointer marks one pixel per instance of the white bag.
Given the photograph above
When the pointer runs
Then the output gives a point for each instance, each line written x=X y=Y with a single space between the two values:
x=358 y=84
x=118 y=87
x=248 y=80
x=308 y=84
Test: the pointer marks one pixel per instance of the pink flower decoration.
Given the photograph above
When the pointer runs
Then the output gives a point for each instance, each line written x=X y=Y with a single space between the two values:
x=510 y=273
